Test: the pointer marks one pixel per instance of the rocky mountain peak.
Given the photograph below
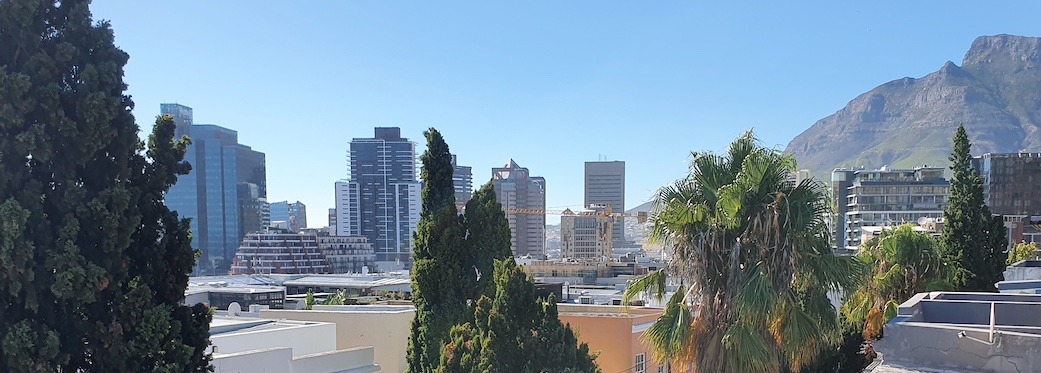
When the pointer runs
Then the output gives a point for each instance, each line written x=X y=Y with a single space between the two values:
x=1004 y=50
x=907 y=122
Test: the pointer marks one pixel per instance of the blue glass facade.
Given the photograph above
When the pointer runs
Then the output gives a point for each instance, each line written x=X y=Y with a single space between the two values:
x=224 y=195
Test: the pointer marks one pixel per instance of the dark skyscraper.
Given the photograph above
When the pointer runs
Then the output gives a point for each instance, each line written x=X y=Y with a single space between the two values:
x=463 y=181
x=381 y=200
x=225 y=194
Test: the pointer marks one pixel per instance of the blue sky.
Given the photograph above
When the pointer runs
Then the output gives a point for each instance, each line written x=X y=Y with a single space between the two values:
x=549 y=84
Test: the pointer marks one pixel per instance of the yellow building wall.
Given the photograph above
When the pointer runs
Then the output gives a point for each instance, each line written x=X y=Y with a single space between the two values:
x=386 y=332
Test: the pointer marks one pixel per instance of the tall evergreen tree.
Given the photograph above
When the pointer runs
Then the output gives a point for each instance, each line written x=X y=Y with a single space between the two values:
x=488 y=237
x=515 y=332
x=443 y=278
x=971 y=238
x=93 y=266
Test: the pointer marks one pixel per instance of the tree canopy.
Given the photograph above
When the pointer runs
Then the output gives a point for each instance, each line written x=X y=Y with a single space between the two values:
x=93 y=266
x=971 y=237
x=897 y=265
x=751 y=255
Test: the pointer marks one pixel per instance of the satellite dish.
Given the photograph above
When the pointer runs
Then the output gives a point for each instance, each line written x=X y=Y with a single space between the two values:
x=922 y=220
x=234 y=309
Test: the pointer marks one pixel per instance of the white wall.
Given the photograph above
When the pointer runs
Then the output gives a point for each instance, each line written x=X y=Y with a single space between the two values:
x=302 y=339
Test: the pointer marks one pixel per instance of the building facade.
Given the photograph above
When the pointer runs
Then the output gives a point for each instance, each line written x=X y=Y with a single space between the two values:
x=516 y=189
x=1011 y=182
x=893 y=196
x=225 y=194
x=294 y=214
x=605 y=184
x=841 y=180
x=381 y=199
x=463 y=181
x=586 y=235
x=348 y=254
x=279 y=253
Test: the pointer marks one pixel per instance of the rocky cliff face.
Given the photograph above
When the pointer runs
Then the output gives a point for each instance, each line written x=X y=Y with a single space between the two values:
x=996 y=93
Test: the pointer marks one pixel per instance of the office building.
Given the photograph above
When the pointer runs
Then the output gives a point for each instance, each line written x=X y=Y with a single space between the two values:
x=516 y=189
x=605 y=185
x=893 y=196
x=463 y=181
x=293 y=214
x=586 y=234
x=225 y=195
x=381 y=199
x=1010 y=182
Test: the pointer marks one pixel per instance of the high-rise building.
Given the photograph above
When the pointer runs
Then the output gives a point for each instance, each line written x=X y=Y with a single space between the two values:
x=841 y=180
x=605 y=184
x=381 y=199
x=893 y=196
x=463 y=181
x=1010 y=182
x=225 y=194
x=515 y=188
x=293 y=214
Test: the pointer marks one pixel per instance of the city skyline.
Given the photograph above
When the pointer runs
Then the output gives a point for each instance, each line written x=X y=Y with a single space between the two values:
x=563 y=80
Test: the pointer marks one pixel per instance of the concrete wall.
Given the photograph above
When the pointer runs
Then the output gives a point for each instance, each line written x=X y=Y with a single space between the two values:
x=934 y=346
x=304 y=340
x=385 y=328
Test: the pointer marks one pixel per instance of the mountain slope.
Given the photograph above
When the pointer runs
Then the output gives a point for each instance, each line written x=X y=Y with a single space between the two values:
x=909 y=122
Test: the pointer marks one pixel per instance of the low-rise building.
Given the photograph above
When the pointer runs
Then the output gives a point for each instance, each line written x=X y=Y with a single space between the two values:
x=279 y=253
x=245 y=344
x=385 y=328
x=617 y=333
x=353 y=254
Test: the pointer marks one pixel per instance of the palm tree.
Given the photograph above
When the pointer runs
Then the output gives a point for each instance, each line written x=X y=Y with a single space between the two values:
x=897 y=265
x=752 y=257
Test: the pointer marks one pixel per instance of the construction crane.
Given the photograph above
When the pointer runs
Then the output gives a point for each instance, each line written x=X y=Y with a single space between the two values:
x=605 y=219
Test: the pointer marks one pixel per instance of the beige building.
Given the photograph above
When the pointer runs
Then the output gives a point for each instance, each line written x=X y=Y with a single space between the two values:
x=384 y=327
x=617 y=333
x=585 y=235
x=351 y=254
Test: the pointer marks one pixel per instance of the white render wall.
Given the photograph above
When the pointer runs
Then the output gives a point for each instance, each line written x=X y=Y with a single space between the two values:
x=302 y=339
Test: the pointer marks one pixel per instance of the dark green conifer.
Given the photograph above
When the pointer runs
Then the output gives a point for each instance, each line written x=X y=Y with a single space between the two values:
x=443 y=277
x=93 y=266
x=515 y=332
x=488 y=236
x=972 y=238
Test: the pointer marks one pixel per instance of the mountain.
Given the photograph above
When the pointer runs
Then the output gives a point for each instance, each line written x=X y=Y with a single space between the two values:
x=995 y=93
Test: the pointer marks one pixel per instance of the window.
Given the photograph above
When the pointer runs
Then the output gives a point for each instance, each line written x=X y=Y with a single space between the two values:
x=640 y=364
x=661 y=368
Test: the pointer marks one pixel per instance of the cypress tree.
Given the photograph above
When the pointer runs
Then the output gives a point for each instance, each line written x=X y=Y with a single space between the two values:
x=442 y=275
x=972 y=238
x=515 y=332
x=93 y=266
x=488 y=237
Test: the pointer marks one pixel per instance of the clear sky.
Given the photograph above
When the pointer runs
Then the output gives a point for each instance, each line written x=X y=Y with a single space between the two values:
x=551 y=84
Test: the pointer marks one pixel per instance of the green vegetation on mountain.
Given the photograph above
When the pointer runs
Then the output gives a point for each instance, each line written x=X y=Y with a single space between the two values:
x=996 y=93
x=93 y=265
